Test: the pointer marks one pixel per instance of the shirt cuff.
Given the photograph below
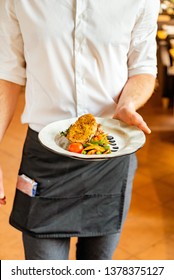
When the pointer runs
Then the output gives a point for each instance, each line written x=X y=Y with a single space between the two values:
x=144 y=70
x=13 y=79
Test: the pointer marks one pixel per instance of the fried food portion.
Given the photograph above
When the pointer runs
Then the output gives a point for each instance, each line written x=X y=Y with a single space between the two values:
x=83 y=129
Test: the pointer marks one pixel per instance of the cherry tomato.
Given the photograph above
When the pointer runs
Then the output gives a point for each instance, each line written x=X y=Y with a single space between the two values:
x=75 y=147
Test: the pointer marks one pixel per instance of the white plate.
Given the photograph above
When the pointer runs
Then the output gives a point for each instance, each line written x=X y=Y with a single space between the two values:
x=128 y=138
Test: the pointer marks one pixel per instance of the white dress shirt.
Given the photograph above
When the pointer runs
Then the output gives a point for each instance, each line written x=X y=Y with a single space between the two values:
x=74 y=56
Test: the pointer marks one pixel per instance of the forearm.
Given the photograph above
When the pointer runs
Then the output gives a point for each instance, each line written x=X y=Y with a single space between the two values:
x=137 y=91
x=8 y=100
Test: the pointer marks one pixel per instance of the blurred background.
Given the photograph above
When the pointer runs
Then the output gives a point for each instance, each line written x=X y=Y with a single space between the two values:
x=148 y=233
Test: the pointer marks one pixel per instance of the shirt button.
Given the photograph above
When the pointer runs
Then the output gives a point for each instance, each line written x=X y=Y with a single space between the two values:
x=80 y=79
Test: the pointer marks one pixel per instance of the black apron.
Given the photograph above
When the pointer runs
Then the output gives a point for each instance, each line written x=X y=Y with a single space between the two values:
x=74 y=197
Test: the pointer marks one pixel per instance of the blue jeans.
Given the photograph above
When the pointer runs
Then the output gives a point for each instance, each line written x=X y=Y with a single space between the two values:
x=88 y=248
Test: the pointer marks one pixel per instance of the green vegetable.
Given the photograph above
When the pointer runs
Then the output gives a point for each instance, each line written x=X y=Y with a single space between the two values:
x=106 y=148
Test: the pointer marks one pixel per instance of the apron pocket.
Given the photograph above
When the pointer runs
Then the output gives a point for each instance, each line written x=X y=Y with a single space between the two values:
x=105 y=216
x=40 y=215
x=61 y=217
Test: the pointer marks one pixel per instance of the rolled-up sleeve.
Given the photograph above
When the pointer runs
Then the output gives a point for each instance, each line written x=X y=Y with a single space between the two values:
x=12 y=62
x=142 y=54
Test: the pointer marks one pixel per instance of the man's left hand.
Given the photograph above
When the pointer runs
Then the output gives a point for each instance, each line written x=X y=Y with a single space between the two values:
x=131 y=117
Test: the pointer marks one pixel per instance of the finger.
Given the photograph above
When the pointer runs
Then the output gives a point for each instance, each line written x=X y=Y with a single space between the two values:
x=144 y=127
x=3 y=201
x=138 y=121
x=141 y=124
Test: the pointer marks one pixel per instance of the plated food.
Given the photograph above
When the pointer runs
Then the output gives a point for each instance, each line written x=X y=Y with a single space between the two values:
x=85 y=136
x=123 y=139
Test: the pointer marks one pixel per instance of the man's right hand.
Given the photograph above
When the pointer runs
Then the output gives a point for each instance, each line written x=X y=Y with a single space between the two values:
x=2 y=196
